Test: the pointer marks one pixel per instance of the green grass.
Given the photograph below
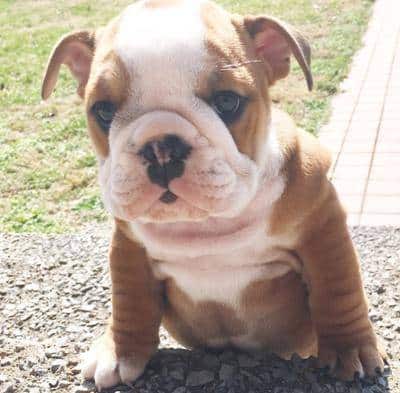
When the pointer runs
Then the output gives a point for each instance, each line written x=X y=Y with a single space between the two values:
x=47 y=168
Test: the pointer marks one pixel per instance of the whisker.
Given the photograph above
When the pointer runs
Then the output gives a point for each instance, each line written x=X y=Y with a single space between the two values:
x=237 y=65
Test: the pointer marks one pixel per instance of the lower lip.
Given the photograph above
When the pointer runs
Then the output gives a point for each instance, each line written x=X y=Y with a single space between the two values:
x=168 y=197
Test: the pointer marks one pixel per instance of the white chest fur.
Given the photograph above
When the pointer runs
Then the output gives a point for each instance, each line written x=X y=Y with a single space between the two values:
x=217 y=259
x=222 y=278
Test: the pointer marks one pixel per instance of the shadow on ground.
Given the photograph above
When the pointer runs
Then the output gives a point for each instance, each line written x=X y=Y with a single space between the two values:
x=180 y=371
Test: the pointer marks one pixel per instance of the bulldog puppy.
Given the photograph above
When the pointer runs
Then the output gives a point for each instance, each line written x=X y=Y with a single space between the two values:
x=227 y=230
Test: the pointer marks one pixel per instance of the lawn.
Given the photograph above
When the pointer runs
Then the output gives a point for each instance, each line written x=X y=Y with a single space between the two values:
x=47 y=168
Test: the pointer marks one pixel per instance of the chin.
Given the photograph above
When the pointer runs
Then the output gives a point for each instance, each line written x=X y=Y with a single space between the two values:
x=167 y=207
x=177 y=211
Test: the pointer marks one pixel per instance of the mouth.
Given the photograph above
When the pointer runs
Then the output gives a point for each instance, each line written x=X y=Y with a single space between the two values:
x=168 y=197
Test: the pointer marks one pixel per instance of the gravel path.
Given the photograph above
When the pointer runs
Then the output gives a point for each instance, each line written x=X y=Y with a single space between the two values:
x=54 y=298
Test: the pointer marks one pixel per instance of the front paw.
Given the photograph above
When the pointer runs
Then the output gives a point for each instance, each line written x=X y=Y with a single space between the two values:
x=348 y=363
x=103 y=366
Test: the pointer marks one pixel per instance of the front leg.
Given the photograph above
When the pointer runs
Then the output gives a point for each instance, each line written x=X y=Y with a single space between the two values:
x=347 y=342
x=131 y=338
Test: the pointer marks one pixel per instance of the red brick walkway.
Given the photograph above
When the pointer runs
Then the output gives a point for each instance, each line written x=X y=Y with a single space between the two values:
x=364 y=130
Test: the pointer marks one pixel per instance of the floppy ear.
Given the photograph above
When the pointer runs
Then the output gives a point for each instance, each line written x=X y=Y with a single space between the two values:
x=275 y=41
x=76 y=50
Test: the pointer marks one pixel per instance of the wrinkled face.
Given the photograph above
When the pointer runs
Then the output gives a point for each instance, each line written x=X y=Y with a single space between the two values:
x=176 y=93
x=181 y=143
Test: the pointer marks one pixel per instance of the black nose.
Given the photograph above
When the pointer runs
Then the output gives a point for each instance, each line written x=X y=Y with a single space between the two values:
x=175 y=147
x=165 y=159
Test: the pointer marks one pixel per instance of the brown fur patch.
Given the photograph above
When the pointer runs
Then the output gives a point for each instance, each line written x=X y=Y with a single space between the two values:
x=305 y=168
x=237 y=69
x=310 y=211
x=279 y=310
x=109 y=82
x=134 y=324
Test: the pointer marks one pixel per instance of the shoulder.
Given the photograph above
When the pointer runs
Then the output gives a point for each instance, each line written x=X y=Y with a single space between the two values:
x=303 y=153
x=306 y=164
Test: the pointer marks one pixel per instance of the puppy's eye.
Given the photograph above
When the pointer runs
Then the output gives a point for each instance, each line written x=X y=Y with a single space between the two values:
x=104 y=112
x=228 y=105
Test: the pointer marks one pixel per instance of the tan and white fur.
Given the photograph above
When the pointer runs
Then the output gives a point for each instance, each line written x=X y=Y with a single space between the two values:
x=254 y=252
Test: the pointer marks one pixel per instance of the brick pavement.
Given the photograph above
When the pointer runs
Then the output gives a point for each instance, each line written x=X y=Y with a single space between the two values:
x=364 y=130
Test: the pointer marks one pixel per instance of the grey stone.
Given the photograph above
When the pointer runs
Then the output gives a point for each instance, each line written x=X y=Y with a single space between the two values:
x=199 y=378
x=5 y=362
x=181 y=389
x=316 y=388
x=340 y=387
x=177 y=374
x=280 y=389
x=279 y=372
x=57 y=365
x=63 y=383
x=53 y=382
x=226 y=372
x=210 y=361
x=310 y=376
x=247 y=361
x=80 y=389
x=227 y=356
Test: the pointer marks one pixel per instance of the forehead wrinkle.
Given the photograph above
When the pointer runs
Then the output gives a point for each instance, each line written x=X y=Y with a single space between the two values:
x=239 y=76
x=223 y=67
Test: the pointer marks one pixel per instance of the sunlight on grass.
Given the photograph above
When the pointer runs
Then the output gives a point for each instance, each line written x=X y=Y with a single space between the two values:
x=47 y=167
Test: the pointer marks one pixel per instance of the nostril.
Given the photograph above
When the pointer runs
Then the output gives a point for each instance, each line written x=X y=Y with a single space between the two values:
x=148 y=153
x=174 y=169
x=156 y=174
x=176 y=148
x=163 y=174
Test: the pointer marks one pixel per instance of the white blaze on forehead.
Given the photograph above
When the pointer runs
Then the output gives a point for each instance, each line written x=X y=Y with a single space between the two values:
x=163 y=47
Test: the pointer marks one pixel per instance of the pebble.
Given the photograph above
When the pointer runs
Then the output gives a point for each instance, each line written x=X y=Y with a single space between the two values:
x=5 y=362
x=30 y=362
x=247 y=361
x=72 y=362
x=75 y=370
x=49 y=343
x=80 y=389
x=199 y=378
x=340 y=388
x=177 y=374
x=56 y=365
x=210 y=361
x=181 y=389
x=53 y=353
x=226 y=372
x=53 y=382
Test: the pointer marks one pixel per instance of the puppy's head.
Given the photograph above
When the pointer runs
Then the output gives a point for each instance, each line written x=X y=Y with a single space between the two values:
x=176 y=95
